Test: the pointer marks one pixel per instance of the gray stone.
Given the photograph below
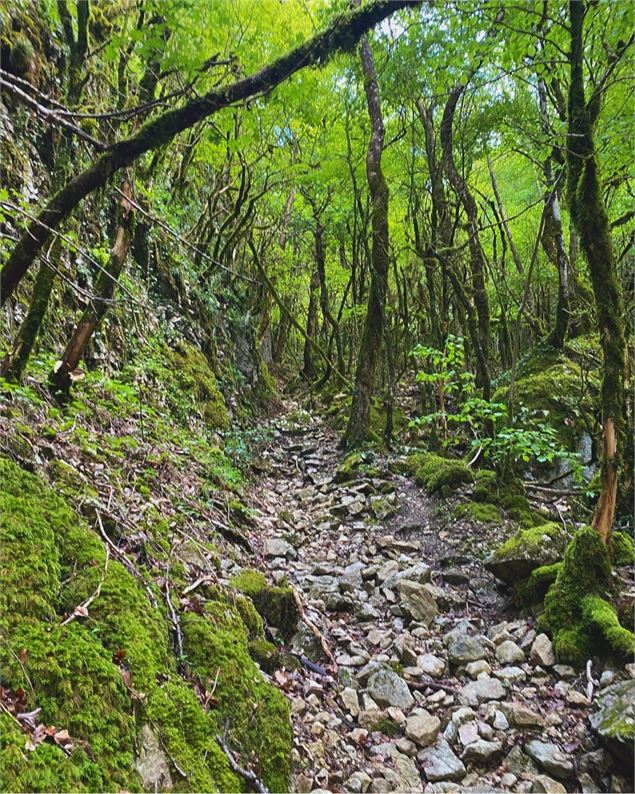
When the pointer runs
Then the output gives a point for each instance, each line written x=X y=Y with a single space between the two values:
x=417 y=601
x=482 y=690
x=358 y=782
x=389 y=689
x=431 y=665
x=350 y=700
x=152 y=764
x=547 y=785
x=465 y=649
x=440 y=763
x=518 y=762
x=479 y=669
x=509 y=653
x=422 y=727
x=482 y=751
x=614 y=720
x=277 y=547
x=511 y=674
x=519 y=716
x=550 y=757
x=351 y=578
x=408 y=777
x=542 y=651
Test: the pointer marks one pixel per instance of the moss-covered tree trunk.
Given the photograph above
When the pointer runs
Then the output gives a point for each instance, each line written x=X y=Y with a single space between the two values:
x=309 y=370
x=340 y=34
x=358 y=428
x=589 y=215
x=553 y=235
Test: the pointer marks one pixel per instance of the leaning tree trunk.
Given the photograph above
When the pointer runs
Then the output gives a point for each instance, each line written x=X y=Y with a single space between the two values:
x=104 y=291
x=589 y=215
x=358 y=428
x=309 y=371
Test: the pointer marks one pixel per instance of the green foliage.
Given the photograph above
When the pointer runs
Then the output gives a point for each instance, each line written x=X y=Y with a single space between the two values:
x=622 y=549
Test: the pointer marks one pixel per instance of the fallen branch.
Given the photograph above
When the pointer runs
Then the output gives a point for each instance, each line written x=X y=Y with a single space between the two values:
x=560 y=491
x=81 y=611
x=249 y=776
x=175 y=619
x=313 y=628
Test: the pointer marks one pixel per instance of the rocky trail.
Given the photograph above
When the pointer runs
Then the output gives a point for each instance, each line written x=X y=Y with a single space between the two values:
x=417 y=672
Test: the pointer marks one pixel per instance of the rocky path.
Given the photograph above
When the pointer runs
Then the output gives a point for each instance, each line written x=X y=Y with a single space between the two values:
x=432 y=685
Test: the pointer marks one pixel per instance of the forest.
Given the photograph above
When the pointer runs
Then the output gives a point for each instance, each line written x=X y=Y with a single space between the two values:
x=316 y=429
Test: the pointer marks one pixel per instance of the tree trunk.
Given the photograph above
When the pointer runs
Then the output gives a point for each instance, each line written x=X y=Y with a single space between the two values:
x=501 y=209
x=104 y=291
x=477 y=258
x=343 y=32
x=588 y=211
x=308 y=367
x=358 y=428
x=553 y=231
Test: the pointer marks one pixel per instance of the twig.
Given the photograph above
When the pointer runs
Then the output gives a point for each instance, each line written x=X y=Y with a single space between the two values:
x=560 y=491
x=249 y=776
x=314 y=629
x=124 y=559
x=81 y=611
x=175 y=619
x=201 y=580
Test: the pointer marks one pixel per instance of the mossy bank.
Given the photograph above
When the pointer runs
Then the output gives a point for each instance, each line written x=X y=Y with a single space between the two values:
x=109 y=674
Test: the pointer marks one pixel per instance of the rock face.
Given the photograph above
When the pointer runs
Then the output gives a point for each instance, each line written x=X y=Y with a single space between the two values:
x=542 y=651
x=417 y=601
x=440 y=763
x=388 y=689
x=152 y=764
x=550 y=757
x=526 y=550
x=614 y=719
x=464 y=650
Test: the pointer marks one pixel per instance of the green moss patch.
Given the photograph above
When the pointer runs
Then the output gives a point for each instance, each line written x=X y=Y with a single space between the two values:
x=577 y=613
x=275 y=603
x=478 y=511
x=526 y=550
x=622 y=549
x=106 y=674
x=437 y=474
x=194 y=376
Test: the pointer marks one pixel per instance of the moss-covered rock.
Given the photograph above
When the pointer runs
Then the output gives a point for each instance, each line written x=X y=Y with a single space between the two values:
x=577 y=613
x=437 y=474
x=356 y=463
x=276 y=604
x=485 y=486
x=526 y=550
x=478 y=511
x=532 y=590
x=622 y=549
x=614 y=719
x=265 y=654
x=194 y=377
x=256 y=714
x=104 y=675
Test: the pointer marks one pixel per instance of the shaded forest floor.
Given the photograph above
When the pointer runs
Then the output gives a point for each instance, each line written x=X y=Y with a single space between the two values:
x=436 y=681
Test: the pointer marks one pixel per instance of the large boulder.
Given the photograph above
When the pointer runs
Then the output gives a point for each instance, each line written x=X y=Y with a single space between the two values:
x=614 y=719
x=526 y=550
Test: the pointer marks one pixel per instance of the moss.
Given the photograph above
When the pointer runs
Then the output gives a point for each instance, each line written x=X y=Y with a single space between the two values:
x=558 y=385
x=69 y=482
x=354 y=463
x=437 y=474
x=530 y=540
x=256 y=713
x=250 y=617
x=622 y=549
x=195 y=378
x=387 y=727
x=104 y=675
x=483 y=513
x=485 y=486
x=265 y=654
x=533 y=590
x=577 y=614
x=276 y=604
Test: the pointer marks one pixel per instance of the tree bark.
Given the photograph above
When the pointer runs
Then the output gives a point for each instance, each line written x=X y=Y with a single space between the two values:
x=358 y=428
x=341 y=34
x=477 y=258
x=588 y=211
x=553 y=230
x=104 y=291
